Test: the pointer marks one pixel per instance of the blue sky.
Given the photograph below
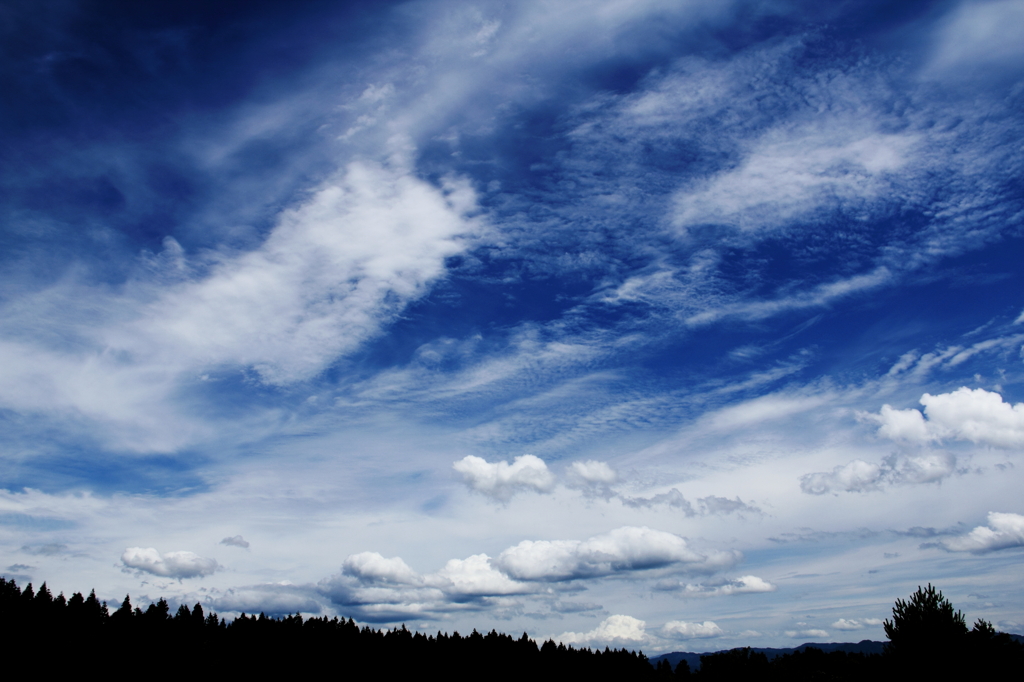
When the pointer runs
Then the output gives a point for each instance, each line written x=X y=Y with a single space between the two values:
x=677 y=325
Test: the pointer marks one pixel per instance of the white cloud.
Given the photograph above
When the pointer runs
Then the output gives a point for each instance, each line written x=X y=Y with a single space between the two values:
x=858 y=475
x=329 y=275
x=874 y=622
x=617 y=629
x=793 y=173
x=477 y=576
x=818 y=634
x=743 y=585
x=974 y=415
x=171 y=565
x=236 y=541
x=502 y=480
x=623 y=549
x=381 y=589
x=1002 y=532
x=978 y=39
x=861 y=476
x=594 y=472
x=844 y=624
x=679 y=629
x=373 y=567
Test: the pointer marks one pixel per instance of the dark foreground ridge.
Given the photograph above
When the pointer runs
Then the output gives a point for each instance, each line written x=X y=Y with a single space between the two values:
x=926 y=637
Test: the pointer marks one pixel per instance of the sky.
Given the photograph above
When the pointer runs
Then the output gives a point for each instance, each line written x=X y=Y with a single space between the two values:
x=660 y=324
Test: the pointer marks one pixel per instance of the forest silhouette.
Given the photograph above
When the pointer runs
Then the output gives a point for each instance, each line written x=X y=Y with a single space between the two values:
x=926 y=636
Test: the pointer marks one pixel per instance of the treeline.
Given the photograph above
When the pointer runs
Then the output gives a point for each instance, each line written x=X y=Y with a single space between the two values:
x=926 y=638
x=56 y=629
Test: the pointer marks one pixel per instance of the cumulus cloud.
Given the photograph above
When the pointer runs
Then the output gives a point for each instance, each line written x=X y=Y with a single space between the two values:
x=623 y=549
x=858 y=475
x=618 y=629
x=170 y=565
x=593 y=472
x=817 y=634
x=502 y=480
x=861 y=476
x=373 y=567
x=974 y=415
x=1002 y=532
x=844 y=624
x=477 y=576
x=743 y=585
x=680 y=629
x=382 y=589
x=856 y=624
x=236 y=541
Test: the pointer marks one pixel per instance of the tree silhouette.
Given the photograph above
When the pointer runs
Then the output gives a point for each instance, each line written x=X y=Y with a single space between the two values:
x=925 y=631
x=925 y=622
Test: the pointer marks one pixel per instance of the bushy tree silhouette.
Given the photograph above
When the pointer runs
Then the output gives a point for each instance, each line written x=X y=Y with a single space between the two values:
x=925 y=632
x=926 y=622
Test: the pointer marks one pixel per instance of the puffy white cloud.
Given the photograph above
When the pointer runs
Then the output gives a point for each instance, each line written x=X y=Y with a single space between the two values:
x=502 y=480
x=1002 y=532
x=593 y=472
x=819 y=634
x=373 y=567
x=381 y=589
x=743 y=585
x=623 y=549
x=974 y=415
x=858 y=475
x=477 y=576
x=861 y=476
x=617 y=629
x=236 y=541
x=872 y=621
x=747 y=583
x=680 y=629
x=170 y=565
x=844 y=624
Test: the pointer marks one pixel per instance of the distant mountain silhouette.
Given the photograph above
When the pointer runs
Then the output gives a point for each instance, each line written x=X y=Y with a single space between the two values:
x=865 y=646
